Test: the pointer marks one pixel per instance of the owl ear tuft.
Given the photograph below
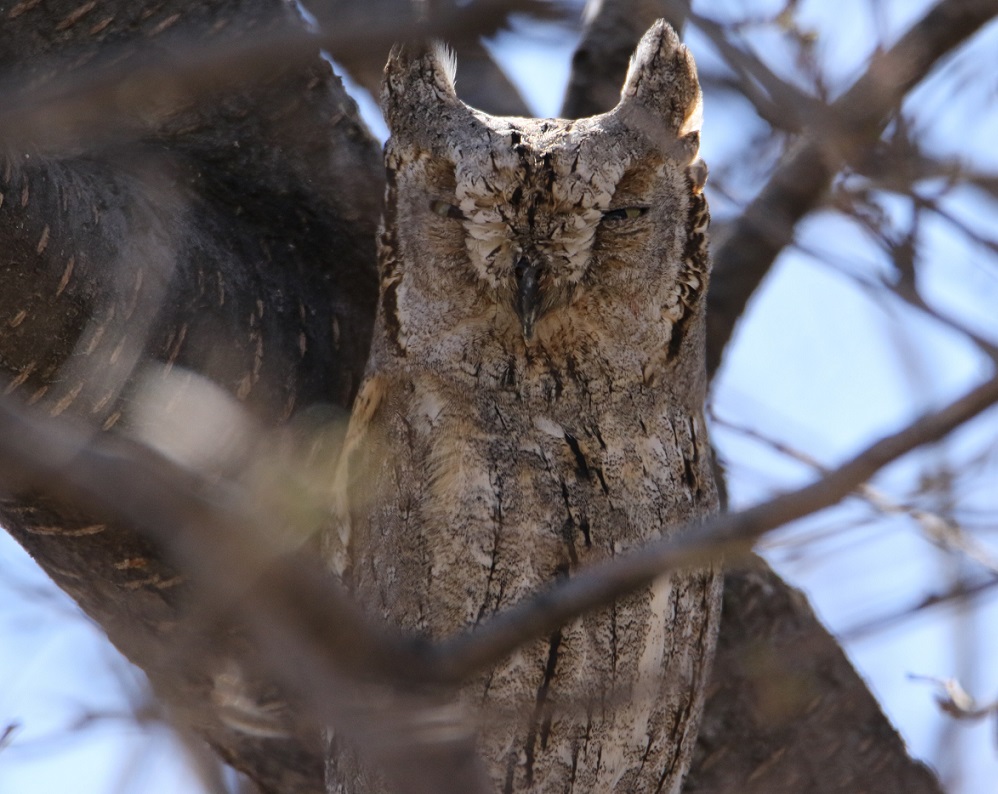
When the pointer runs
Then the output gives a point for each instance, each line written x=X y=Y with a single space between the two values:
x=418 y=82
x=662 y=81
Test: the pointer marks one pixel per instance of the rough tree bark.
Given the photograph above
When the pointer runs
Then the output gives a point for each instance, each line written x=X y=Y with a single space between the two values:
x=231 y=233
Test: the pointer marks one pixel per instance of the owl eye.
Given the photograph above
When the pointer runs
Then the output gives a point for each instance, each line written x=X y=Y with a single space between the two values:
x=624 y=214
x=445 y=210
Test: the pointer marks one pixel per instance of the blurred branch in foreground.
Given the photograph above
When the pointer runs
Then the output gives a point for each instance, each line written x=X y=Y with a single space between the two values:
x=729 y=536
x=294 y=611
x=102 y=103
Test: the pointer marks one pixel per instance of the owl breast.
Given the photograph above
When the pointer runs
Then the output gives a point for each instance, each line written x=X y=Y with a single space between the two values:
x=494 y=498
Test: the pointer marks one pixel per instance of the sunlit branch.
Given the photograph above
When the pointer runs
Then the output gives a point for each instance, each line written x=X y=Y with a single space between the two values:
x=955 y=701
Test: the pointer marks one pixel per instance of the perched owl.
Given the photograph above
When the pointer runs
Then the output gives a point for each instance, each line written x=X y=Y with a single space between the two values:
x=534 y=403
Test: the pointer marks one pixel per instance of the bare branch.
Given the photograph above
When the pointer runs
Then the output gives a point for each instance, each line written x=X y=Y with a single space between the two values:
x=730 y=535
x=955 y=700
x=905 y=291
x=779 y=102
x=943 y=531
x=852 y=125
x=961 y=593
x=782 y=695
x=482 y=83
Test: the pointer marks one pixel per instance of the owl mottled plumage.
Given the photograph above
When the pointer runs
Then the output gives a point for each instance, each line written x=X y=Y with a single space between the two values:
x=533 y=403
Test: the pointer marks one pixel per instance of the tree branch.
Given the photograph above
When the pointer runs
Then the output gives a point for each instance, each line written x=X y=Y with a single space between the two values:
x=850 y=127
x=296 y=613
x=612 y=29
x=729 y=536
x=268 y=289
x=218 y=537
x=104 y=103
x=323 y=651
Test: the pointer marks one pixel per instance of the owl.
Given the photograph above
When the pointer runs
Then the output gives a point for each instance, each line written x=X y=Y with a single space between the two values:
x=533 y=404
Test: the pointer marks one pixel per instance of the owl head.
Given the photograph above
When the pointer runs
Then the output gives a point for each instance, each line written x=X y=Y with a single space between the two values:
x=540 y=235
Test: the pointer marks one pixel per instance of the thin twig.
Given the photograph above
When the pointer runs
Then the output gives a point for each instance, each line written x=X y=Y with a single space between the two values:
x=962 y=593
x=955 y=700
x=938 y=529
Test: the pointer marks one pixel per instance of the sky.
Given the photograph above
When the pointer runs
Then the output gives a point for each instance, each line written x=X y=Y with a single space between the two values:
x=820 y=364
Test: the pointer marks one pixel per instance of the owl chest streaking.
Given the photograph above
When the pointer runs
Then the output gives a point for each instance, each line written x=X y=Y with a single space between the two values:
x=533 y=403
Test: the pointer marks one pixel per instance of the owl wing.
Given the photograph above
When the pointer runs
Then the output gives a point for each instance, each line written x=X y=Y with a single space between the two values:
x=355 y=484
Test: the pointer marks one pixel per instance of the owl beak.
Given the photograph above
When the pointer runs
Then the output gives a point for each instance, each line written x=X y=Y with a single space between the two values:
x=528 y=295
